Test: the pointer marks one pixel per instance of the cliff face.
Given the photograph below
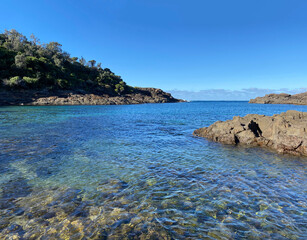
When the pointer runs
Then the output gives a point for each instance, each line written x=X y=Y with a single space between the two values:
x=283 y=98
x=80 y=97
x=285 y=132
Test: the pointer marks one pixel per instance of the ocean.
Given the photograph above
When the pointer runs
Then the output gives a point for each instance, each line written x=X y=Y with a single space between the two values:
x=137 y=172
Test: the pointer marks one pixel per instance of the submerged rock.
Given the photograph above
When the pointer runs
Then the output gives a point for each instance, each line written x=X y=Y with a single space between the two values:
x=285 y=132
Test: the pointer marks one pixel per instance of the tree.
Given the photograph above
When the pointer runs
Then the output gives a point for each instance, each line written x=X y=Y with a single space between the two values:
x=15 y=40
x=58 y=60
x=74 y=59
x=20 y=60
x=92 y=63
x=54 y=47
x=34 y=39
x=31 y=64
x=82 y=61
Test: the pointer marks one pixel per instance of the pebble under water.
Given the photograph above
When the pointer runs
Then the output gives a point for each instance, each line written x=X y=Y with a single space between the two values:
x=137 y=172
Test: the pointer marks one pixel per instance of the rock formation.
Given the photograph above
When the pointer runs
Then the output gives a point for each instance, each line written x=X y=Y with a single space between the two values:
x=285 y=132
x=283 y=98
x=80 y=97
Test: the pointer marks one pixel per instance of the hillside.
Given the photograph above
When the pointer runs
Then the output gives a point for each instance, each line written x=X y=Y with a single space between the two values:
x=36 y=73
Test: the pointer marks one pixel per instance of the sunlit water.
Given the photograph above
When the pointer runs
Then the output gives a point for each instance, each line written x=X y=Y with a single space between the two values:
x=137 y=172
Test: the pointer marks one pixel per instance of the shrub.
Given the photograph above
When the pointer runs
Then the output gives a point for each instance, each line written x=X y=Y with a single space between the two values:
x=13 y=81
x=119 y=88
x=30 y=81
x=62 y=83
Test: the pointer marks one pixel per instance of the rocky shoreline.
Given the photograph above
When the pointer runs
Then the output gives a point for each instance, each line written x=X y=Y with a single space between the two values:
x=80 y=97
x=285 y=133
x=283 y=98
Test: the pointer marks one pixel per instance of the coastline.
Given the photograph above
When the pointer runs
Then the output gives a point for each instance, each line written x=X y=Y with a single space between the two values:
x=81 y=97
x=282 y=98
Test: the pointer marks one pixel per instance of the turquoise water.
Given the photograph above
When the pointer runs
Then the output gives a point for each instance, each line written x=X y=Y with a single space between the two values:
x=136 y=172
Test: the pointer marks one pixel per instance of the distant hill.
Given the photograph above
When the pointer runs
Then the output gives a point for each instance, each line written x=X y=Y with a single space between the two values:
x=283 y=98
x=30 y=70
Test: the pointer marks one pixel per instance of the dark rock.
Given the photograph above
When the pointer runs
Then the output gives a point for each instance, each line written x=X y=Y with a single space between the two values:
x=16 y=188
x=120 y=222
x=19 y=212
x=29 y=215
x=4 y=222
x=80 y=211
x=43 y=172
x=6 y=203
x=49 y=215
x=13 y=228
x=68 y=208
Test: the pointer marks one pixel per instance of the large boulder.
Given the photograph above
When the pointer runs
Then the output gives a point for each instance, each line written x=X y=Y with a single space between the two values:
x=285 y=132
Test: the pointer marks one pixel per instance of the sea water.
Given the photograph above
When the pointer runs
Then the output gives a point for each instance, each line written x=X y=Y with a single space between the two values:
x=137 y=172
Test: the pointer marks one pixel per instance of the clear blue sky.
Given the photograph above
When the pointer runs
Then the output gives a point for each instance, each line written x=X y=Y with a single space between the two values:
x=185 y=45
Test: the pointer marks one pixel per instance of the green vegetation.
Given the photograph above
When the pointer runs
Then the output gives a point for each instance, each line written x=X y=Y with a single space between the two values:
x=29 y=64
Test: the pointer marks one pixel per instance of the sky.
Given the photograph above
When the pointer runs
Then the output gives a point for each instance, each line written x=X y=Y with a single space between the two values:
x=196 y=49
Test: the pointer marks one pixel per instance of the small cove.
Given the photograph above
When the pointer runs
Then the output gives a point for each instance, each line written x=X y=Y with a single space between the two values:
x=136 y=170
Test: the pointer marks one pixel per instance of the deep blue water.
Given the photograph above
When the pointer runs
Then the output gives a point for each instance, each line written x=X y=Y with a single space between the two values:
x=136 y=171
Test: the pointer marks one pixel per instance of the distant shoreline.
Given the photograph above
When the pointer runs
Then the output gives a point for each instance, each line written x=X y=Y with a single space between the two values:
x=282 y=98
x=80 y=97
x=217 y=100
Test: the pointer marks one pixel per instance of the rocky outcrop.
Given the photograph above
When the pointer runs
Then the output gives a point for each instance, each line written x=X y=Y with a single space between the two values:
x=285 y=132
x=283 y=98
x=80 y=97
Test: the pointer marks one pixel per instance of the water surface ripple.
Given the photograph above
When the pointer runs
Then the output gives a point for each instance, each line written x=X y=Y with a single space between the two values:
x=136 y=172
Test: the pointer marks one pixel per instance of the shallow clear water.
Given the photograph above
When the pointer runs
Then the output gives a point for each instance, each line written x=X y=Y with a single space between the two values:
x=136 y=172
